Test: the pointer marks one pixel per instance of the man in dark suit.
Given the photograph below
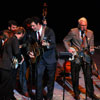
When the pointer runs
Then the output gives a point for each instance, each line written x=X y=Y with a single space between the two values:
x=46 y=61
x=82 y=39
x=7 y=72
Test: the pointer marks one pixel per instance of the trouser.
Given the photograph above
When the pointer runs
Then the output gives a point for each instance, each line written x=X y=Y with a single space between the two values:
x=87 y=71
x=22 y=77
x=7 y=83
x=40 y=69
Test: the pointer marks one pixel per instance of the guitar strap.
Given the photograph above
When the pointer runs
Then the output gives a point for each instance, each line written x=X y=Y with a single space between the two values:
x=43 y=33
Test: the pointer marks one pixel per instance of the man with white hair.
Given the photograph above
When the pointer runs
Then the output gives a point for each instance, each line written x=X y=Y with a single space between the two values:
x=82 y=41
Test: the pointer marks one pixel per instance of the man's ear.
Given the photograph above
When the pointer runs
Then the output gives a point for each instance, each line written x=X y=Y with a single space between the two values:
x=9 y=28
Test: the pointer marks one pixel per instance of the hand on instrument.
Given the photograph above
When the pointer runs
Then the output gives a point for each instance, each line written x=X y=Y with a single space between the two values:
x=71 y=51
x=31 y=54
x=44 y=43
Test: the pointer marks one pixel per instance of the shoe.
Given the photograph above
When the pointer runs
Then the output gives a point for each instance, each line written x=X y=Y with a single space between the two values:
x=94 y=97
x=77 y=98
x=26 y=94
x=32 y=93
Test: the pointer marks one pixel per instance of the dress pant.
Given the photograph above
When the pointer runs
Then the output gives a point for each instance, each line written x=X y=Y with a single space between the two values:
x=40 y=69
x=87 y=71
x=7 y=83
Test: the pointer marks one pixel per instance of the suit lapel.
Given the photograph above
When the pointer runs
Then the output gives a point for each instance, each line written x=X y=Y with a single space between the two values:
x=78 y=36
x=43 y=33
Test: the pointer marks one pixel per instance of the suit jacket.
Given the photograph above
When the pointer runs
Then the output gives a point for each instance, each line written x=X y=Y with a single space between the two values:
x=74 y=38
x=11 y=48
x=49 y=54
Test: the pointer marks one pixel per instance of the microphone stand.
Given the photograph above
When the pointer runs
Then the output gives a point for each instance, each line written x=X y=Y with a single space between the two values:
x=64 y=78
x=85 y=64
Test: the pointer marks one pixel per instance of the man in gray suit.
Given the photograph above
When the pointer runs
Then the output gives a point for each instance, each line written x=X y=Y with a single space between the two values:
x=80 y=42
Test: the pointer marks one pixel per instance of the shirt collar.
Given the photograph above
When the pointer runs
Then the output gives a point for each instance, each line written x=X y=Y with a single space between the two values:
x=40 y=31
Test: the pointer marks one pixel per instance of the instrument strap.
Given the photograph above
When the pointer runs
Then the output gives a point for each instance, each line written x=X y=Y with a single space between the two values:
x=43 y=33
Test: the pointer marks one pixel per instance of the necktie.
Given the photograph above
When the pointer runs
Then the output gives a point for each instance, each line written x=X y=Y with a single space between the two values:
x=38 y=36
x=83 y=39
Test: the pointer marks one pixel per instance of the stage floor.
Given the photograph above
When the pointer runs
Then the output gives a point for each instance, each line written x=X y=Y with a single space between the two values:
x=63 y=88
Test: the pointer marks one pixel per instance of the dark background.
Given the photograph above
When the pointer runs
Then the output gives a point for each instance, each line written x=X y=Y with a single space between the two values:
x=62 y=15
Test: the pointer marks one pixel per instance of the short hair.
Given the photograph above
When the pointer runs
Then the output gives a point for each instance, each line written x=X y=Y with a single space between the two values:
x=12 y=22
x=82 y=19
x=27 y=21
x=36 y=20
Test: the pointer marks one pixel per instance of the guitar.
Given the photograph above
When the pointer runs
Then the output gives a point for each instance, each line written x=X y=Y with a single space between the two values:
x=97 y=47
x=74 y=53
x=37 y=50
x=14 y=63
x=81 y=54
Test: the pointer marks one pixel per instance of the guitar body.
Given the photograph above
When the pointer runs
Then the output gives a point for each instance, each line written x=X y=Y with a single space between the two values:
x=37 y=50
x=14 y=63
x=74 y=53
x=84 y=54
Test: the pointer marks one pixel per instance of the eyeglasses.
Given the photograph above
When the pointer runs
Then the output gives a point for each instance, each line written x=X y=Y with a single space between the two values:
x=83 y=25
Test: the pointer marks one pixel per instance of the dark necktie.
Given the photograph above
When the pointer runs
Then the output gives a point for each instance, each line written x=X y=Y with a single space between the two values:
x=39 y=36
x=83 y=39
